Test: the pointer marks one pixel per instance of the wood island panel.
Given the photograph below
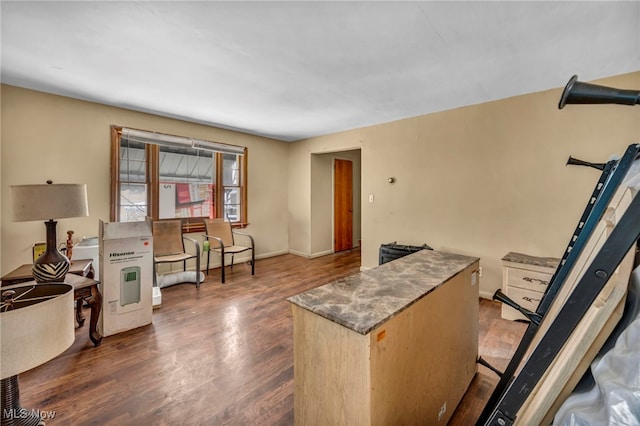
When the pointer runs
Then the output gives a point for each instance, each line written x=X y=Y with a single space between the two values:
x=411 y=368
x=426 y=357
x=332 y=381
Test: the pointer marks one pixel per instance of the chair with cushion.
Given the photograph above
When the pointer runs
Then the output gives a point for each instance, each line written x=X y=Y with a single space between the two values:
x=221 y=238
x=168 y=246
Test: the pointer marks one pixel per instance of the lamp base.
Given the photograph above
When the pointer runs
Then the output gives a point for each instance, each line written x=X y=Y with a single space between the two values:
x=52 y=266
x=12 y=413
x=51 y=272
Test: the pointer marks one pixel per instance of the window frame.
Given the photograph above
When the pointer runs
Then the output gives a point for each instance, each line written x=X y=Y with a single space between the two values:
x=152 y=180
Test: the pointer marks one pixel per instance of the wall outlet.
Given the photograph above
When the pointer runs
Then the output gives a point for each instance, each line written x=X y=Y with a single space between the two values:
x=480 y=271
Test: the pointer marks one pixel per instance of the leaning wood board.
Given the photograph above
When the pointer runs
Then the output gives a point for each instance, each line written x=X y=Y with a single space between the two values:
x=412 y=369
x=618 y=205
x=579 y=351
x=586 y=340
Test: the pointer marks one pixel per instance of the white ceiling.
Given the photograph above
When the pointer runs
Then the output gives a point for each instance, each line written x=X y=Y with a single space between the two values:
x=291 y=70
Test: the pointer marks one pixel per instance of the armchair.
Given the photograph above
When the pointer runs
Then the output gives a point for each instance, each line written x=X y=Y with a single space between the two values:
x=168 y=246
x=221 y=236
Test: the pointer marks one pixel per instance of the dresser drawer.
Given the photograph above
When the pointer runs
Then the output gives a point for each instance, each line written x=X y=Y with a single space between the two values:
x=527 y=279
x=525 y=298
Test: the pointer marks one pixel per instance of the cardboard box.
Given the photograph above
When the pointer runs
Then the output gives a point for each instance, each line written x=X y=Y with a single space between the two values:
x=126 y=275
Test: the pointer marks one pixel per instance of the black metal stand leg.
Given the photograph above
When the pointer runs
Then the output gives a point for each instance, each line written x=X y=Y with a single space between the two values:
x=222 y=265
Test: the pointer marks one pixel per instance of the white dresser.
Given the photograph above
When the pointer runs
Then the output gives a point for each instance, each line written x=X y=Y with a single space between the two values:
x=525 y=279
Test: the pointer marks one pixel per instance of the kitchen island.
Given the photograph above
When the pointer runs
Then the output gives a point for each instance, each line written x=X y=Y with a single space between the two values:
x=396 y=344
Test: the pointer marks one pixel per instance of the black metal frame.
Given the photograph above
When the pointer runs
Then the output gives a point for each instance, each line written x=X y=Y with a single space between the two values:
x=610 y=179
x=623 y=237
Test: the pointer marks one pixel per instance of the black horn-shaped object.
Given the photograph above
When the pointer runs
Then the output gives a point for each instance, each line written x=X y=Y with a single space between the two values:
x=576 y=92
x=575 y=162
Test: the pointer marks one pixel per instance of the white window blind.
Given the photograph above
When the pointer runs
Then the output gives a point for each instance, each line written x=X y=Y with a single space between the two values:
x=134 y=135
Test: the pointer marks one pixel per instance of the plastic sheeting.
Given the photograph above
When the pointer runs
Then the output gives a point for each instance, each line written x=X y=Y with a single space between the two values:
x=178 y=278
x=614 y=395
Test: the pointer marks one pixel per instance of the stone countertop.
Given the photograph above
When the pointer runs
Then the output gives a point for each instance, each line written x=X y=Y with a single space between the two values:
x=548 y=262
x=363 y=301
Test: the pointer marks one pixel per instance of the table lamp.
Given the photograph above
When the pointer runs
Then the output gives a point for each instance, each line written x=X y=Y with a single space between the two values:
x=36 y=325
x=49 y=202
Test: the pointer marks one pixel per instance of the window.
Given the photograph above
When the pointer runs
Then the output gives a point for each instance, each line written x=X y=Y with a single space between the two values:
x=231 y=186
x=164 y=176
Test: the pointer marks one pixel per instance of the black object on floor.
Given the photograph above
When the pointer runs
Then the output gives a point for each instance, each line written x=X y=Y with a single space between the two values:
x=392 y=251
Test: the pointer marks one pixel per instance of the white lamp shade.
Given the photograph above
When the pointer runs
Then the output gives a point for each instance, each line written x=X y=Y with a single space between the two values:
x=34 y=334
x=49 y=201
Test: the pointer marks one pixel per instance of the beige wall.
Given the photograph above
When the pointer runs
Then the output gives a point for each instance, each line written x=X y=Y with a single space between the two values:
x=66 y=140
x=481 y=180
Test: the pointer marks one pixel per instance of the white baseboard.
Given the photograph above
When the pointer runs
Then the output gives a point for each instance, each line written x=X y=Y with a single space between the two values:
x=311 y=255
x=272 y=254
x=486 y=295
x=483 y=294
x=241 y=258
x=321 y=253
x=299 y=253
x=246 y=258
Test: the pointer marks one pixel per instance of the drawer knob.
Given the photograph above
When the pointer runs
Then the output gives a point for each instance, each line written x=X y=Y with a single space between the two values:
x=530 y=299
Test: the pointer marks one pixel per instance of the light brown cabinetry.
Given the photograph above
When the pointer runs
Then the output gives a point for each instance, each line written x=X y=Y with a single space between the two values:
x=525 y=279
x=394 y=345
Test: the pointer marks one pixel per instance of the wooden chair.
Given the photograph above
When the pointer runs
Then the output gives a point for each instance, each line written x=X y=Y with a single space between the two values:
x=221 y=236
x=168 y=246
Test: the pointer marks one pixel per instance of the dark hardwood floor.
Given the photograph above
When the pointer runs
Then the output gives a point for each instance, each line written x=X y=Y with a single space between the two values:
x=220 y=355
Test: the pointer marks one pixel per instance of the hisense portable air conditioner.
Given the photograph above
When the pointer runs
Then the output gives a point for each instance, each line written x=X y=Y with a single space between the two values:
x=129 y=285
